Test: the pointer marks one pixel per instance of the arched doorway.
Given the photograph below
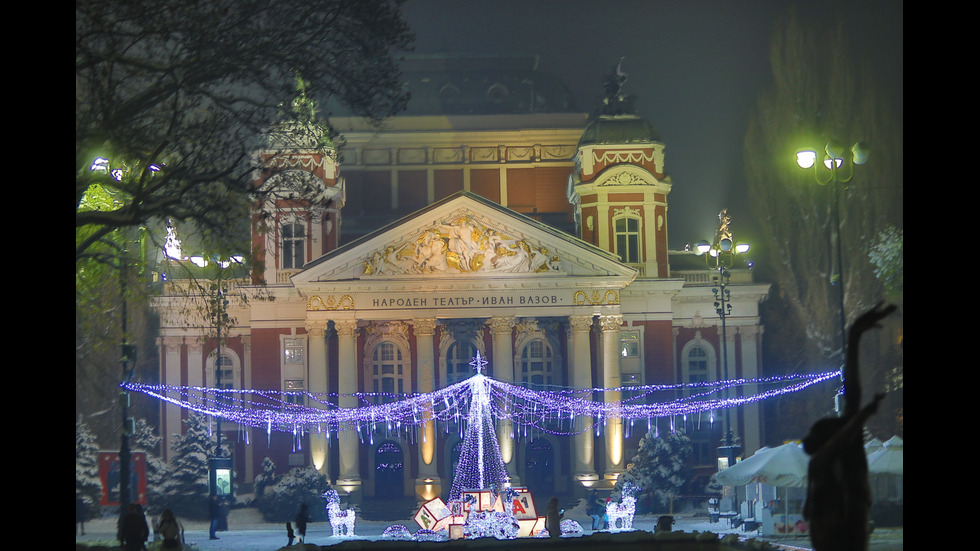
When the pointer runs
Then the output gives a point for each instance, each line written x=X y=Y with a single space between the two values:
x=389 y=470
x=539 y=469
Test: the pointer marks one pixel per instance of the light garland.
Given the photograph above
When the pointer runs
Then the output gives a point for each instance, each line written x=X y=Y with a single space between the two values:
x=561 y=412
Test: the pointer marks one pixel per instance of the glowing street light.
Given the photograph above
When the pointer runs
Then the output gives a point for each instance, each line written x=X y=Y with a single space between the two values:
x=837 y=169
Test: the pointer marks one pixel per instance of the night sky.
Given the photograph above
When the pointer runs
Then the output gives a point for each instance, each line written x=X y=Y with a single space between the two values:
x=696 y=68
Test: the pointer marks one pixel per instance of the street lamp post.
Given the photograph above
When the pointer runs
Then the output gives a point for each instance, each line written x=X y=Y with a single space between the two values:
x=834 y=161
x=720 y=257
x=220 y=467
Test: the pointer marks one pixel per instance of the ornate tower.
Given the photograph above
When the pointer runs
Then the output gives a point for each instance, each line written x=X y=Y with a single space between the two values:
x=619 y=187
x=299 y=180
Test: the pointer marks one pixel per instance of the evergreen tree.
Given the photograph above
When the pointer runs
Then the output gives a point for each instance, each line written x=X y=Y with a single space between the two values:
x=157 y=470
x=88 y=486
x=659 y=470
x=264 y=480
x=186 y=490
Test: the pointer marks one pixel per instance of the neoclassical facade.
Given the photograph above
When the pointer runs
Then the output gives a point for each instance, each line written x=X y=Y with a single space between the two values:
x=595 y=300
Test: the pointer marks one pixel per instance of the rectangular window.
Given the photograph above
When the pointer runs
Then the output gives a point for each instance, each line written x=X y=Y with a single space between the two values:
x=294 y=385
x=627 y=232
x=293 y=351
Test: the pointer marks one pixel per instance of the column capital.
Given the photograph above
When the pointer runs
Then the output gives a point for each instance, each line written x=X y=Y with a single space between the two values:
x=424 y=327
x=346 y=328
x=580 y=322
x=316 y=328
x=611 y=322
x=502 y=325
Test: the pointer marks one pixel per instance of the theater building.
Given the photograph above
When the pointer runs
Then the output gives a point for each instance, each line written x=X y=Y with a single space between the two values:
x=537 y=237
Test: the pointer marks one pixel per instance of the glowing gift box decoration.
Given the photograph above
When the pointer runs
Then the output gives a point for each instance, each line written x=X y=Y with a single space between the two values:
x=431 y=513
x=477 y=500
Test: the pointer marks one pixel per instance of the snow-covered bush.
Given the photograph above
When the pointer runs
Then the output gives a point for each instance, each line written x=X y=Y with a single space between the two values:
x=281 y=501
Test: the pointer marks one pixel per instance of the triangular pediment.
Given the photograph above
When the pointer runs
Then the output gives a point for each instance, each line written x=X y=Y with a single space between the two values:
x=464 y=236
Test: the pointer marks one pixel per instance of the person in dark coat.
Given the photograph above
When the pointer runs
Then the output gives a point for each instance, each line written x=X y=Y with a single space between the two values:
x=302 y=517
x=552 y=519
x=133 y=530
x=79 y=514
x=595 y=509
x=214 y=513
x=290 y=534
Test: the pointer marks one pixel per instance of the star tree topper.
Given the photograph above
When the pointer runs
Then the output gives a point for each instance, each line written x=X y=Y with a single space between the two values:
x=479 y=363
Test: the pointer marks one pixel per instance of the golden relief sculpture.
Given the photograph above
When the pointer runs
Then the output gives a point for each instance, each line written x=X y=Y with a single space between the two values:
x=461 y=245
x=317 y=302
x=595 y=297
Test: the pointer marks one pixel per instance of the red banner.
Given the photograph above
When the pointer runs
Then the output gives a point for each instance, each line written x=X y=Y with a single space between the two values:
x=109 y=474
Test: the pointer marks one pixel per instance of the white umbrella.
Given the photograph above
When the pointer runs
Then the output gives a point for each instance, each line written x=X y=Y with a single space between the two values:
x=889 y=459
x=783 y=466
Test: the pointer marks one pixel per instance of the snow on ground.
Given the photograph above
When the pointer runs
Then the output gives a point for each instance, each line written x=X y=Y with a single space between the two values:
x=248 y=532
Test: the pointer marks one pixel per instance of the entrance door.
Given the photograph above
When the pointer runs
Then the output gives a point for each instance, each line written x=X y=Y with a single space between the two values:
x=389 y=470
x=539 y=472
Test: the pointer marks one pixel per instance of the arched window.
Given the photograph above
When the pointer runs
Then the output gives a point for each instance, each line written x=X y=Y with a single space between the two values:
x=224 y=371
x=697 y=365
x=388 y=371
x=537 y=364
x=458 y=358
x=293 y=246
x=626 y=230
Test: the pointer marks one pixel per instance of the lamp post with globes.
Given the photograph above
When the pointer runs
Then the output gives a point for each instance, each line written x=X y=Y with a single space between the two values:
x=837 y=168
x=720 y=257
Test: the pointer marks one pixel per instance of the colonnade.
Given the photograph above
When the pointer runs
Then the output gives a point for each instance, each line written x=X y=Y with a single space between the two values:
x=425 y=366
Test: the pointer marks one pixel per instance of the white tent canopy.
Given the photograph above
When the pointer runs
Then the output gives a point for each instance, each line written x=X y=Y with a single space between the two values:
x=783 y=466
x=888 y=459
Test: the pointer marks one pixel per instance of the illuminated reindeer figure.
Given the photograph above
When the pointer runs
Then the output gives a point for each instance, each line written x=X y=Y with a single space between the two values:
x=624 y=510
x=342 y=522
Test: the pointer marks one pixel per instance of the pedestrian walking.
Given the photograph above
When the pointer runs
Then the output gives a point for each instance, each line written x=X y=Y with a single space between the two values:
x=171 y=531
x=302 y=517
x=214 y=513
x=552 y=518
x=596 y=508
x=133 y=530
x=79 y=514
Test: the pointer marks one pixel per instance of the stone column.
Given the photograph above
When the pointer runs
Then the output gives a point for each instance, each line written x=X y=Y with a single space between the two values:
x=752 y=435
x=317 y=330
x=427 y=484
x=350 y=476
x=502 y=329
x=170 y=375
x=580 y=366
x=613 y=430
x=247 y=383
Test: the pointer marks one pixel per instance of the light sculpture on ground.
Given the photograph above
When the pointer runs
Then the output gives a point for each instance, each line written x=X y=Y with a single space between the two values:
x=342 y=522
x=621 y=514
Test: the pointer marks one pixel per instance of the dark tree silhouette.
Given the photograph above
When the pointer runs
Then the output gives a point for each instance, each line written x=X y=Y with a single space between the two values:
x=174 y=96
